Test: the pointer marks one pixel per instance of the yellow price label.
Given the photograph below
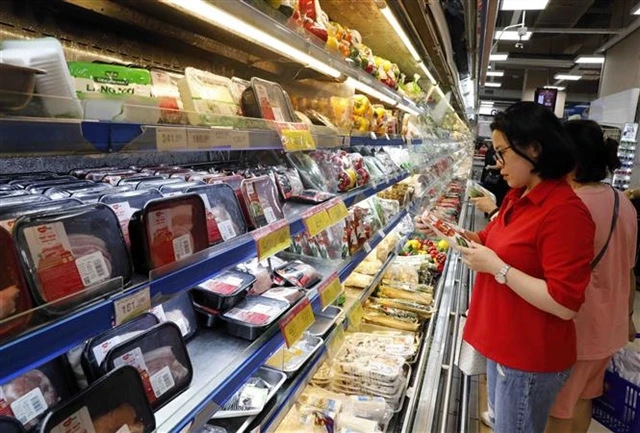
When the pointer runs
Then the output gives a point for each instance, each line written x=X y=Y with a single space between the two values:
x=295 y=137
x=337 y=210
x=272 y=239
x=336 y=341
x=296 y=322
x=355 y=316
x=329 y=290
x=316 y=220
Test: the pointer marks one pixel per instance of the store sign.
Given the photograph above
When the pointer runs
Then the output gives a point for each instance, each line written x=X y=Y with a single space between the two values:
x=337 y=210
x=296 y=322
x=316 y=220
x=272 y=239
x=295 y=136
x=329 y=290
x=131 y=306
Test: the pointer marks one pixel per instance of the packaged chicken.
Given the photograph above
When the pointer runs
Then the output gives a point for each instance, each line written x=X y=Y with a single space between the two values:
x=126 y=204
x=261 y=198
x=224 y=215
x=161 y=358
x=168 y=230
x=224 y=291
x=84 y=244
x=179 y=311
x=113 y=404
x=206 y=96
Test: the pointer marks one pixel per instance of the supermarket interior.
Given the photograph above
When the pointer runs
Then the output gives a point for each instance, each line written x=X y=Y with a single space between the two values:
x=228 y=216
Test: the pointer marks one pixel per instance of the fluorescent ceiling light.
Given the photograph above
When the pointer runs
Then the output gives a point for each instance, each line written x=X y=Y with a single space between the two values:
x=219 y=18
x=487 y=103
x=568 y=77
x=590 y=59
x=492 y=84
x=365 y=88
x=426 y=71
x=636 y=10
x=524 y=5
x=511 y=35
x=388 y=14
x=497 y=57
x=558 y=88
x=495 y=73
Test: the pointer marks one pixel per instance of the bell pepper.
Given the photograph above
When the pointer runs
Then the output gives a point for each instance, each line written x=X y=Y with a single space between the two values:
x=361 y=105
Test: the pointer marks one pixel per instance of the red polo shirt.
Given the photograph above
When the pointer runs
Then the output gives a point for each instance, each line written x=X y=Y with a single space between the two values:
x=547 y=234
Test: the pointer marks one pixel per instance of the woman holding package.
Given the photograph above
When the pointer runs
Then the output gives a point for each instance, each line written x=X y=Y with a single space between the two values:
x=532 y=264
x=604 y=322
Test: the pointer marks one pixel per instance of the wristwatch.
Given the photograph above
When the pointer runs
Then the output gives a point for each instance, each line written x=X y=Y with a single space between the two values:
x=501 y=277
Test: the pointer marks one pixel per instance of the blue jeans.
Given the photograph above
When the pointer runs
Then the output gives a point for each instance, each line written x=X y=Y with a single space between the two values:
x=520 y=401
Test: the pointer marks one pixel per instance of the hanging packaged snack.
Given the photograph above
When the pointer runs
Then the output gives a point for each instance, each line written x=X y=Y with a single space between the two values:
x=206 y=97
x=179 y=311
x=362 y=173
x=97 y=348
x=127 y=203
x=168 y=230
x=70 y=256
x=266 y=100
x=337 y=163
x=262 y=200
x=161 y=358
x=299 y=274
x=313 y=175
x=252 y=316
x=224 y=215
x=223 y=291
x=165 y=89
x=114 y=403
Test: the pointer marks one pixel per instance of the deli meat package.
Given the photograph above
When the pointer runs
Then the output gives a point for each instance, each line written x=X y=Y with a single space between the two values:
x=160 y=357
x=28 y=397
x=69 y=255
x=115 y=403
x=223 y=291
x=168 y=230
x=262 y=201
x=266 y=100
x=127 y=203
x=252 y=316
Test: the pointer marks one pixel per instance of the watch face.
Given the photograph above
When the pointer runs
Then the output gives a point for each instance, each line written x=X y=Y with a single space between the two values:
x=500 y=278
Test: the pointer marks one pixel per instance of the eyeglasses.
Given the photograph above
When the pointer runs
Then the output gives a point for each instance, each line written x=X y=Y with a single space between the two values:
x=500 y=154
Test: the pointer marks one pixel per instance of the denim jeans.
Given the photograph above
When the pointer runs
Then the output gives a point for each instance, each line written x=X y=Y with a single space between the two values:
x=520 y=401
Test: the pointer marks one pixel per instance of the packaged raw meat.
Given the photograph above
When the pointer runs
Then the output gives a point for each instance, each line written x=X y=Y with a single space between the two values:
x=114 y=403
x=178 y=310
x=266 y=100
x=155 y=183
x=174 y=189
x=313 y=176
x=99 y=175
x=96 y=349
x=30 y=395
x=67 y=190
x=235 y=182
x=288 y=181
x=41 y=186
x=223 y=291
x=262 y=273
x=165 y=89
x=24 y=180
x=252 y=316
x=206 y=96
x=9 y=214
x=10 y=425
x=135 y=180
x=288 y=294
x=224 y=215
x=23 y=199
x=161 y=358
x=127 y=203
x=168 y=230
x=299 y=274
x=261 y=198
x=71 y=256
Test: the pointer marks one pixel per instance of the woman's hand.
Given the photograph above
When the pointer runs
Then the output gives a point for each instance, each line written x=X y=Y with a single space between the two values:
x=484 y=204
x=481 y=259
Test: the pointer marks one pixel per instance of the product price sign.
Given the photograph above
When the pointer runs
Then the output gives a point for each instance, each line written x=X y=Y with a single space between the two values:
x=272 y=239
x=335 y=341
x=337 y=210
x=233 y=138
x=171 y=138
x=131 y=306
x=200 y=138
x=316 y=220
x=355 y=316
x=295 y=137
x=329 y=290
x=296 y=322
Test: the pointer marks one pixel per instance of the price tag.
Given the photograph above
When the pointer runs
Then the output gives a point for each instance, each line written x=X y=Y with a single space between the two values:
x=316 y=220
x=130 y=306
x=337 y=210
x=381 y=233
x=272 y=239
x=367 y=247
x=335 y=341
x=236 y=139
x=329 y=290
x=171 y=138
x=355 y=316
x=373 y=136
x=296 y=322
x=295 y=137
x=200 y=138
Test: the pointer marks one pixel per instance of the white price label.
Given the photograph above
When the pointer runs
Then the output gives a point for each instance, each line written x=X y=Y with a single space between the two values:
x=162 y=381
x=182 y=247
x=230 y=138
x=367 y=247
x=227 y=230
x=158 y=311
x=269 y=215
x=100 y=351
x=373 y=136
x=29 y=406
x=133 y=358
x=171 y=138
x=130 y=306
x=182 y=324
x=92 y=268
x=200 y=138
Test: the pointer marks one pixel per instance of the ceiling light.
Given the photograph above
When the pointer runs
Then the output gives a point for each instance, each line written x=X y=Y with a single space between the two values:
x=568 y=77
x=495 y=73
x=511 y=35
x=558 y=88
x=487 y=103
x=497 y=57
x=365 y=88
x=492 y=84
x=524 y=5
x=426 y=71
x=590 y=59
x=388 y=14
x=219 y=18
x=636 y=10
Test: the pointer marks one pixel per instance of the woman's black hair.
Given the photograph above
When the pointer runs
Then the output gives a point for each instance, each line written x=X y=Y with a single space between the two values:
x=596 y=155
x=530 y=125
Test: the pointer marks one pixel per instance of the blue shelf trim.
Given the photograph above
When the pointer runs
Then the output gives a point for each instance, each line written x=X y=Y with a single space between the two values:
x=369 y=141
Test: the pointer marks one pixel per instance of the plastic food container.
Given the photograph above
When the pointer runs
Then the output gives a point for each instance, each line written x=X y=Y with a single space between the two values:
x=67 y=190
x=261 y=198
x=10 y=425
x=97 y=348
x=84 y=244
x=290 y=360
x=114 y=175
x=178 y=310
x=125 y=204
x=223 y=291
x=9 y=214
x=135 y=180
x=324 y=321
x=235 y=182
x=287 y=294
x=266 y=100
x=161 y=358
x=41 y=186
x=156 y=183
x=207 y=317
x=224 y=215
x=18 y=84
x=93 y=196
x=252 y=316
x=312 y=174
x=30 y=395
x=114 y=403
x=206 y=96
x=167 y=230
x=24 y=180
x=299 y=274
x=13 y=192
x=174 y=189
x=165 y=89
x=23 y=199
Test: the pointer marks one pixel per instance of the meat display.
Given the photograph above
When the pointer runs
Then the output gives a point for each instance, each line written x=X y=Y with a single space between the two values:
x=178 y=310
x=261 y=198
x=126 y=204
x=224 y=216
x=252 y=316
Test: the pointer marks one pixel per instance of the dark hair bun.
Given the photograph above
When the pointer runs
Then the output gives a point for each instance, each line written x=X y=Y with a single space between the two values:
x=596 y=155
x=611 y=149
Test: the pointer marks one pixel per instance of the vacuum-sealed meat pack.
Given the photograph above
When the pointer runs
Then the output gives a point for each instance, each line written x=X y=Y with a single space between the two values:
x=224 y=215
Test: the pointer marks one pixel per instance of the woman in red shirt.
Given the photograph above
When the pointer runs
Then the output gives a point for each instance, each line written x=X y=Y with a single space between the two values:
x=532 y=264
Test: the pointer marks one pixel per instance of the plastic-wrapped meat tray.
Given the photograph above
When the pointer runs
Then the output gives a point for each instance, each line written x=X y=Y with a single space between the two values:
x=252 y=316
x=98 y=347
x=223 y=291
x=288 y=294
x=178 y=310
x=167 y=230
x=127 y=203
x=95 y=196
x=174 y=189
x=161 y=358
x=23 y=199
x=67 y=190
x=41 y=187
x=261 y=198
x=156 y=183
x=235 y=182
x=114 y=175
x=113 y=403
x=23 y=181
x=135 y=180
x=266 y=100
x=29 y=396
x=224 y=215
x=72 y=256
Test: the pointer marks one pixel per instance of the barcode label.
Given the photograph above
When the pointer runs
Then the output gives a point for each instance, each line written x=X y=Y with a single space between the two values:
x=269 y=215
x=100 y=352
x=123 y=429
x=226 y=230
x=182 y=247
x=162 y=381
x=205 y=199
x=134 y=358
x=159 y=313
x=29 y=406
x=92 y=268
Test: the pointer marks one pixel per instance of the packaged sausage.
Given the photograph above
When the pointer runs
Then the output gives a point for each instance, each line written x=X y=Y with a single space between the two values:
x=223 y=291
x=70 y=255
x=266 y=100
x=252 y=316
x=178 y=310
x=168 y=230
x=262 y=201
x=224 y=216
x=161 y=358
x=115 y=403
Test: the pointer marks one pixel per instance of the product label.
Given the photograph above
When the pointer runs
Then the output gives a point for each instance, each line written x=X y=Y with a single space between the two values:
x=29 y=406
x=355 y=316
x=182 y=246
x=7 y=224
x=124 y=212
x=225 y=286
x=162 y=381
x=213 y=231
x=130 y=306
x=272 y=239
x=226 y=229
x=93 y=268
x=265 y=103
x=295 y=137
x=171 y=138
x=135 y=359
x=277 y=114
x=79 y=422
x=329 y=290
x=100 y=352
x=316 y=221
x=182 y=324
x=158 y=311
x=269 y=215
x=337 y=210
